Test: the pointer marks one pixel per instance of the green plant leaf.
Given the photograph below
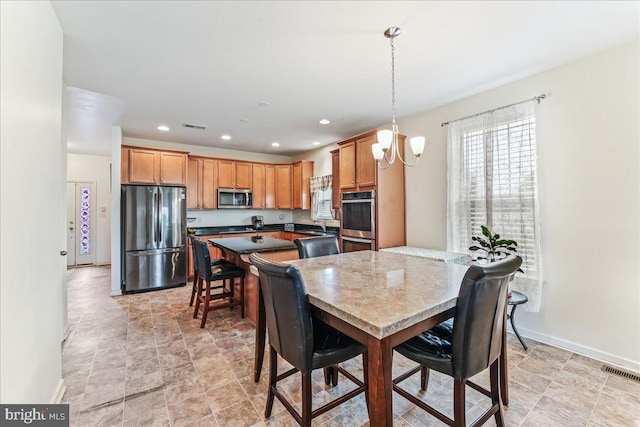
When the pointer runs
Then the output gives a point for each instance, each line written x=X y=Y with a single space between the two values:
x=475 y=248
x=483 y=243
x=486 y=232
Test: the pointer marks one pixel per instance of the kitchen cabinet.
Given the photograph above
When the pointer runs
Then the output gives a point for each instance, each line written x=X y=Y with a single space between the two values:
x=335 y=180
x=357 y=165
x=283 y=187
x=302 y=170
x=201 y=183
x=270 y=187
x=154 y=167
x=233 y=174
x=258 y=186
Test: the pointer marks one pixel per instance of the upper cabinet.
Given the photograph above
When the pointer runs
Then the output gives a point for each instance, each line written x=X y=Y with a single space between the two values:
x=357 y=166
x=302 y=170
x=258 y=186
x=335 y=181
x=234 y=174
x=201 y=183
x=270 y=186
x=155 y=167
x=283 y=187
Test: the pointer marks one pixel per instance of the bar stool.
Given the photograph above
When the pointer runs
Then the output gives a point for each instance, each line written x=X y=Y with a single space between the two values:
x=220 y=272
x=214 y=262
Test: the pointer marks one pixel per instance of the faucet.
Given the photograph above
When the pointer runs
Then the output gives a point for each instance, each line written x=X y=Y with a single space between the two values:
x=322 y=225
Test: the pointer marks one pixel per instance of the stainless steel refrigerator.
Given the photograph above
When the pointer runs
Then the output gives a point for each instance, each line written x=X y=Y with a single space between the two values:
x=154 y=237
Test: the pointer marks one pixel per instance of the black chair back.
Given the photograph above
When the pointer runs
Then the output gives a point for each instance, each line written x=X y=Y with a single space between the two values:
x=312 y=247
x=194 y=242
x=479 y=318
x=202 y=259
x=287 y=311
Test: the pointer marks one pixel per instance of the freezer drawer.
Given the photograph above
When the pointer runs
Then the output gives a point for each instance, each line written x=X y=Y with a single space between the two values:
x=154 y=269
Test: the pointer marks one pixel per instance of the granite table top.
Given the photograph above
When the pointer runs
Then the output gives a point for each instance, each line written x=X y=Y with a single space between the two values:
x=380 y=293
x=437 y=255
x=247 y=245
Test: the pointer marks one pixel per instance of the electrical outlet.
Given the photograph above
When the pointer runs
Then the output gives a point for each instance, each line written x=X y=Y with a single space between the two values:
x=281 y=217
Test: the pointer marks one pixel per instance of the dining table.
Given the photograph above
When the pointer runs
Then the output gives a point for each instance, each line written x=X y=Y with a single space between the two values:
x=380 y=299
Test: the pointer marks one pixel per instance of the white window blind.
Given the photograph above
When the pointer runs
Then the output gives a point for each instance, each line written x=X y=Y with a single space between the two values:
x=321 y=194
x=492 y=182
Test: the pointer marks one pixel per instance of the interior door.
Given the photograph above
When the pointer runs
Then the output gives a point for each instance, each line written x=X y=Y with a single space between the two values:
x=81 y=223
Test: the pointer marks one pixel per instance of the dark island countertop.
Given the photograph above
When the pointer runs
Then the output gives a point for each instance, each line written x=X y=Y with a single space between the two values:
x=312 y=230
x=247 y=245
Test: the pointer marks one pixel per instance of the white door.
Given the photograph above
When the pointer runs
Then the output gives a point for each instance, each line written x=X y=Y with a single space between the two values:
x=81 y=223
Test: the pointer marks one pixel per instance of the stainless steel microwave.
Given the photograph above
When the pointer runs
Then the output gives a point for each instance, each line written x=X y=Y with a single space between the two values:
x=229 y=198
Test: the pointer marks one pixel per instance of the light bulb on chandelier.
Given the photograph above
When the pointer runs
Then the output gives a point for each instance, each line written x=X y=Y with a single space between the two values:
x=387 y=147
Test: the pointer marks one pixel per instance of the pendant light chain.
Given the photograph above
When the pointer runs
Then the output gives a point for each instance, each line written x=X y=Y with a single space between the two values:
x=393 y=81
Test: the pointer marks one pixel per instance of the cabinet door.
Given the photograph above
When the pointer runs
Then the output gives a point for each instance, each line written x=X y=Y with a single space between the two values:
x=258 y=186
x=209 y=191
x=142 y=166
x=335 y=180
x=226 y=174
x=243 y=175
x=348 y=166
x=283 y=186
x=270 y=187
x=365 y=164
x=194 y=171
x=173 y=168
x=296 y=194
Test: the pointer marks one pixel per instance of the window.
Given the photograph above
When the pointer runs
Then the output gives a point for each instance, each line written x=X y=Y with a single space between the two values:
x=492 y=182
x=321 y=195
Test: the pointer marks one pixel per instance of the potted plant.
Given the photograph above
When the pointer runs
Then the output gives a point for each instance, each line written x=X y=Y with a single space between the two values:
x=491 y=248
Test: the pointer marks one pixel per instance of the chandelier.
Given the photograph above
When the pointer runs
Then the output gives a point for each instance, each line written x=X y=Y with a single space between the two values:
x=387 y=146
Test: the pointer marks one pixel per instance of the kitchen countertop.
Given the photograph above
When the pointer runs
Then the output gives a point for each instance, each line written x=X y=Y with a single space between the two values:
x=247 y=245
x=312 y=230
x=436 y=255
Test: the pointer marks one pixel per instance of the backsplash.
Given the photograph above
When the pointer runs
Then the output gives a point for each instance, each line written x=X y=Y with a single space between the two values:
x=224 y=217
x=304 y=217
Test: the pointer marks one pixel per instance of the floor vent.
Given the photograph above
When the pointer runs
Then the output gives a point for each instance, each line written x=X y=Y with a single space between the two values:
x=621 y=373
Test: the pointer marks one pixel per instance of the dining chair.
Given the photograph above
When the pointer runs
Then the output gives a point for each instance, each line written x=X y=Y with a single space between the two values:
x=467 y=344
x=302 y=340
x=208 y=274
x=312 y=247
x=214 y=262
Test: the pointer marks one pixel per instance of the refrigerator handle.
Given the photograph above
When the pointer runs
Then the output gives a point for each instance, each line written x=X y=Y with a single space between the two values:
x=154 y=221
x=158 y=217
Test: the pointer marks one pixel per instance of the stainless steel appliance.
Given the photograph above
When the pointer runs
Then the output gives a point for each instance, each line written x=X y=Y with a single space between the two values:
x=257 y=222
x=154 y=237
x=229 y=198
x=358 y=221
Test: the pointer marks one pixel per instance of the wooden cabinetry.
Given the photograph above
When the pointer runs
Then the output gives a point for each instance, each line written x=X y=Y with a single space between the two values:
x=270 y=186
x=233 y=174
x=357 y=165
x=156 y=167
x=302 y=170
x=201 y=183
x=258 y=186
x=335 y=180
x=283 y=187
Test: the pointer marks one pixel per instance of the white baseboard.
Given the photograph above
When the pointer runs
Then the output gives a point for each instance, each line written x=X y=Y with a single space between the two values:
x=612 y=359
x=59 y=393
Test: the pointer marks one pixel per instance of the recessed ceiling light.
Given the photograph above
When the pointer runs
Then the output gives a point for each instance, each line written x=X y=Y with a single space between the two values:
x=263 y=104
x=324 y=122
x=275 y=144
x=163 y=128
x=315 y=143
x=225 y=137
x=244 y=120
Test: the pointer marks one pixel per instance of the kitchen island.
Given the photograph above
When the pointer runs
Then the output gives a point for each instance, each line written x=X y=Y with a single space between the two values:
x=237 y=250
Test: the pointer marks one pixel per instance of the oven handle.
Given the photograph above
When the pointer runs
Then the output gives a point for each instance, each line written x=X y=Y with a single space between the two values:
x=358 y=240
x=358 y=201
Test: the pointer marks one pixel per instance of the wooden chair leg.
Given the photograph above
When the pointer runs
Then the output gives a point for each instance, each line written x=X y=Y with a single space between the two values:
x=194 y=288
x=424 y=378
x=242 y=297
x=365 y=375
x=328 y=375
x=459 y=404
x=334 y=377
x=495 y=392
x=306 y=400
x=195 y=312
x=205 y=309
x=273 y=373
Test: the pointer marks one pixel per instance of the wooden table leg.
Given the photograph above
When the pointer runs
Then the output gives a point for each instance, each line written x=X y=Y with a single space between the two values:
x=380 y=382
x=504 y=374
x=261 y=329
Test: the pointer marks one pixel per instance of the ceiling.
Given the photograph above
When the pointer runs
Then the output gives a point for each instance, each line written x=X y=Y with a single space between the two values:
x=141 y=64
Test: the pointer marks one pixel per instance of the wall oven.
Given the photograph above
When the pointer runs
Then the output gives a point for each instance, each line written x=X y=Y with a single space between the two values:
x=228 y=198
x=358 y=220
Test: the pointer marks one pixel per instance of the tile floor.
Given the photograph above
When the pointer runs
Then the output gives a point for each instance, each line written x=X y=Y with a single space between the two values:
x=142 y=360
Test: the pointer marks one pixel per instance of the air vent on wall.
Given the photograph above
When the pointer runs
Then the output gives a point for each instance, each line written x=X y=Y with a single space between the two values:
x=192 y=126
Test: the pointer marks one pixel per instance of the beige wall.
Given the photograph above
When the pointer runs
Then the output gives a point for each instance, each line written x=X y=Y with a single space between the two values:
x=31 y=291
x=81 y=167
x=589 y=191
